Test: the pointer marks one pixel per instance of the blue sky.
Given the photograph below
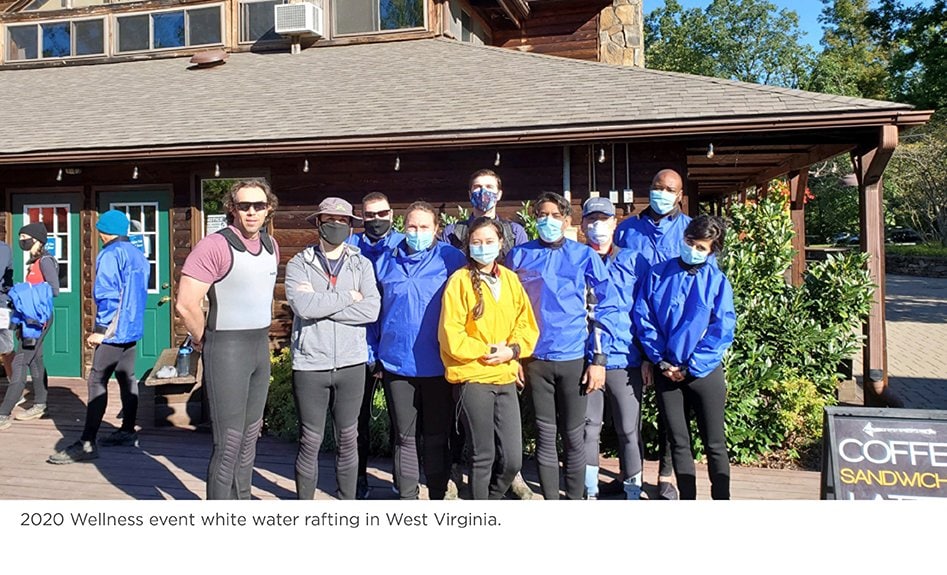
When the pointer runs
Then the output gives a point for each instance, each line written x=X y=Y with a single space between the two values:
x=807 y=10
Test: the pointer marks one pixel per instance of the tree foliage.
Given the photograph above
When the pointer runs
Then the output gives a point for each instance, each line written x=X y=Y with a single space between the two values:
x=851 y=62
x=746 y=40
x=916 y=38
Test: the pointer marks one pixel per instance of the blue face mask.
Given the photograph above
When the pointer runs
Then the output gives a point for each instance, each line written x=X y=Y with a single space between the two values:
x=691 y=255
x=420 y=240
x=485 y=254
x=483 y=199
x=550 y=229
x=662 y=202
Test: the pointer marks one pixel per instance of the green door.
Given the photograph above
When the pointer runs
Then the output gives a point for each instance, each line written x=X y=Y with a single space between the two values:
x=62 y=348
x=147 y=210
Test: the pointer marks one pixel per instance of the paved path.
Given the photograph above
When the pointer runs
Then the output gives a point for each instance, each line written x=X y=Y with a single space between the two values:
x=916 y=321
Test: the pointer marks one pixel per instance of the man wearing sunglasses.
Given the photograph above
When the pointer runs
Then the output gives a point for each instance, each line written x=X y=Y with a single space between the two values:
x=378 y=237
x=236 y=268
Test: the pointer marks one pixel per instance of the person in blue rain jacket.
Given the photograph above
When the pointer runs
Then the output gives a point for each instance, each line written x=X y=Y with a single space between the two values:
x=411 y=279
x=379 y=237
x=576 y=307
x=685 y=320
x=654 y=236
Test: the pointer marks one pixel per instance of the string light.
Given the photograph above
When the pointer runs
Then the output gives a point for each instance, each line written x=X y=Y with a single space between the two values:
x=710 y=151
x=601 y=155
x=496 y=162
x=59 y=175
x=135 y=173
x=216 y=170
x=306 y=166
x=397 y=162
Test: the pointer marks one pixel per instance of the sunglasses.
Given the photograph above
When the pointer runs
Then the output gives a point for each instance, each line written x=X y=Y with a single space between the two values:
x=378 y=214
x=257 y=206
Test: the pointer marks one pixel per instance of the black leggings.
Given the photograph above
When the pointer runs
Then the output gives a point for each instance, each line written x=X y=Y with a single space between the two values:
x=118 y=358
x=27 y=358
x=559 y=402
x=707 y=396
x=236 y=379
x=364 y=419
x=341 y=391
x=490 y=415
x=430 y=399
x=623 y=388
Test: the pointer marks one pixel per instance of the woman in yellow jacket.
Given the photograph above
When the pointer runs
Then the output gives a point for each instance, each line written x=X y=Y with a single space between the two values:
x=487 y=325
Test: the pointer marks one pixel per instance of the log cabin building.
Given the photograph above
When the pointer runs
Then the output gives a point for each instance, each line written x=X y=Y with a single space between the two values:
x=143 y=106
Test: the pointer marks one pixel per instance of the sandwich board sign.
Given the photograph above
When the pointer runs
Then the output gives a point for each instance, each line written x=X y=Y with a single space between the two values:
x=884 y=453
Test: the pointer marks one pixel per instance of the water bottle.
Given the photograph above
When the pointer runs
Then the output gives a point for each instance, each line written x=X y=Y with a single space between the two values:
x=184 y=358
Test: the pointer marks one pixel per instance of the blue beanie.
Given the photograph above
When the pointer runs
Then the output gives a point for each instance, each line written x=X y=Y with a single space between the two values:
x=113 y=223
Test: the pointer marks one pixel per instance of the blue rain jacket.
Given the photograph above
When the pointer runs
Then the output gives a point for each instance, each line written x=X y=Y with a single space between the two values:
x=651 y=242
x=32 y=307
x=411 y=287
x=570 y=290
x=685 y=318
x=373 y=251
x=120 y=291
x=621 y=351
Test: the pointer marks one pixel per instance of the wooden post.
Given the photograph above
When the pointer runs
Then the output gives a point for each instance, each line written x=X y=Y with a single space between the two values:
x=870 y=161
x=798 y=180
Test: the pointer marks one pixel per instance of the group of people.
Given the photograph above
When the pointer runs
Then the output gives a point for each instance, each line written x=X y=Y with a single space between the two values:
x=457 y=326
x=453 y=324
x=120 y=289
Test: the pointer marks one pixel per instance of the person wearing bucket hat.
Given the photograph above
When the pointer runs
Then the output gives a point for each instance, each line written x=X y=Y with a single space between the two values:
x=623 y=383
x=332 y=291
x=42 y=268
x=120 y=291
x=236 y=267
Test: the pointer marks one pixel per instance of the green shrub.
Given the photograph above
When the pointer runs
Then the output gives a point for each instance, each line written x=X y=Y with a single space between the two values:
x=930 y=250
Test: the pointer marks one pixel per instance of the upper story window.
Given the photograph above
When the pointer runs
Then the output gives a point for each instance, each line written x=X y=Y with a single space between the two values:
x=361 y=16
x=169 y=29
x=47 y=5
x=258 y=20
x=466 y=28
x=58 y=39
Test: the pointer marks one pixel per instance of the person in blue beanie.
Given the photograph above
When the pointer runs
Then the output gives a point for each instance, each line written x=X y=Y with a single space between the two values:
x=685 y=320
x=623 y=379
x=412 y=277
x=120 y=292
x=378 y=237
x=576 y=307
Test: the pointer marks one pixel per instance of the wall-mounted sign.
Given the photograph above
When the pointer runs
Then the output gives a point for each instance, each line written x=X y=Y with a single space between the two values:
x=874 y=453
x=215 y=223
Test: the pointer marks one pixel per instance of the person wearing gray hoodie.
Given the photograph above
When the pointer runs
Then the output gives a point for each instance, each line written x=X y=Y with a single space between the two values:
x=332 y=291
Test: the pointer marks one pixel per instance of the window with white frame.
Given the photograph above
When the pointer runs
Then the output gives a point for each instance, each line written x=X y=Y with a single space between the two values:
x=56 y=39
x=258 y=20
x=169 y=29
x=363 y=16
x=144 y=233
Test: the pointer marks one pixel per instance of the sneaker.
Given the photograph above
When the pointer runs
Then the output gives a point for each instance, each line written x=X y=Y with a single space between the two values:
x=456 y=482
x=20 y=401
x=666 y=490
x=38 y=410
x=520 y=489
x=362 y=490
x=5 y=422
x=78 y=451
x=121 y=438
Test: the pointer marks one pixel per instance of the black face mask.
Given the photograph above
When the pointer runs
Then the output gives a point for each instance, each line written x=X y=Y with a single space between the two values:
x=26 y=245
x=334 y=233
x=376 y=229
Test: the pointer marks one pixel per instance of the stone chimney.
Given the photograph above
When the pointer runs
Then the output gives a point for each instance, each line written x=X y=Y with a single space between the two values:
x=621 y=33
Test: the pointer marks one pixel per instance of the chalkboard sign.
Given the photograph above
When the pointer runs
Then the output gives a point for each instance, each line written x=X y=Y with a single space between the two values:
x=875 y=453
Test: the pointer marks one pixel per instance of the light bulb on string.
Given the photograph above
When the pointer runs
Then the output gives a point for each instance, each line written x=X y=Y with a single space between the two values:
x=59 y=175
x=216 y=170
x=496 y=162
x=306 y=166
x=398 y=163
x=710 y=151
x=135 y=173
x=601 y=155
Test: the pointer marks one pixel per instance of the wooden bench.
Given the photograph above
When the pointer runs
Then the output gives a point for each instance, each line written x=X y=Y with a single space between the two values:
x=179 y=401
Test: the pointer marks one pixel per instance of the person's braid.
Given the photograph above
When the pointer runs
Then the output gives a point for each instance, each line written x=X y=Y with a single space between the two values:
x=478 y=289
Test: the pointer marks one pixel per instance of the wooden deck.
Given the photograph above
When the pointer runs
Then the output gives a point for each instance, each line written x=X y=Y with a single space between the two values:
x=171 y=463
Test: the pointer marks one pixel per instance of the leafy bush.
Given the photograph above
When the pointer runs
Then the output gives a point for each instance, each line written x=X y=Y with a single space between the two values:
x=930 y=250
x=463 y=214
x=526 y=217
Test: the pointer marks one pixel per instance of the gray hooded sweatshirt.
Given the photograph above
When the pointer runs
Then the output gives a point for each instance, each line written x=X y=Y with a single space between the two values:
x=328 y=324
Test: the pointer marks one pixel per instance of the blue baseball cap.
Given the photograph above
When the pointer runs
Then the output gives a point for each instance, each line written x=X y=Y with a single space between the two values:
x=598 y=206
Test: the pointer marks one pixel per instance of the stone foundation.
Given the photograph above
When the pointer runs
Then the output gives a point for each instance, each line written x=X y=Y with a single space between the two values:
x=916 y=266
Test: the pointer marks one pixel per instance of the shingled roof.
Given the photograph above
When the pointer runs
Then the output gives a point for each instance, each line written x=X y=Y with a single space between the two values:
x=384 y=95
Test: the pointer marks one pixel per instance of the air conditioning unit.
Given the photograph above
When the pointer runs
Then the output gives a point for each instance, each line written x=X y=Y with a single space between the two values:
x=299 y=19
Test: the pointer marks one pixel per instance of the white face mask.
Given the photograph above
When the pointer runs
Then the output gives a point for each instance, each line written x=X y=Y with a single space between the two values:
x=599 y=233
